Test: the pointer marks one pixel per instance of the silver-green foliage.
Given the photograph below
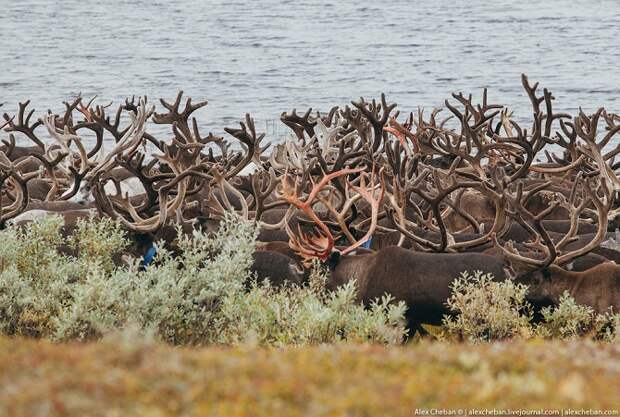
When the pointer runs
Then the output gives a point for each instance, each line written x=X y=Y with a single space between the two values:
x=569 y=320
x=181 y=297
x=486 y=310
x=607 y=327
x=566 y=320
x=199 y=296
x=39 y=287
x=309 y=315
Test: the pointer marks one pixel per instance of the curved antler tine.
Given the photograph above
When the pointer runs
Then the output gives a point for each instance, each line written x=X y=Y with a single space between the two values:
x=21 y=197
x=306 y=206
x=130 y=140
x=375 y=202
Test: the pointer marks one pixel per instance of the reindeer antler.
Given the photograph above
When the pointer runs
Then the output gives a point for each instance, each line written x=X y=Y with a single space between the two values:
x=23 y=124
x=318 y=245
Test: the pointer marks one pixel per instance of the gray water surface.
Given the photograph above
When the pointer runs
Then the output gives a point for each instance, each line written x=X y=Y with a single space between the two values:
x=265 y=57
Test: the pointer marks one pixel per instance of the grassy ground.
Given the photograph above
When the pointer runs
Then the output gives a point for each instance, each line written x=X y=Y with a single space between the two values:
x=122 y=377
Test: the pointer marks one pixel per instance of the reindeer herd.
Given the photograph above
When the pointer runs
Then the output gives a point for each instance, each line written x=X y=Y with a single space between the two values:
x=402 y=205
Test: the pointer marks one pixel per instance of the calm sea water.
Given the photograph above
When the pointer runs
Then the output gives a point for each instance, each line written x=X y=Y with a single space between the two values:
x=268 y=56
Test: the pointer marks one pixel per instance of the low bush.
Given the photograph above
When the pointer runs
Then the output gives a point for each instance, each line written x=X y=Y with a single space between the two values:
x=68 y=288
x=487 y=310
x=607 y=327
x=566 y=320
x=42 y=290
x=198 y=297
x=309 y=315
x=569 y=320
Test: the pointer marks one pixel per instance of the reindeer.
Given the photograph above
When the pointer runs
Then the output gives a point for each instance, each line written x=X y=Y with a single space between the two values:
x=402 y=207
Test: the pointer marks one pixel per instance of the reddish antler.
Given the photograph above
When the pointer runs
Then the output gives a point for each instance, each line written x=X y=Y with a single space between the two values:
x=316 y=245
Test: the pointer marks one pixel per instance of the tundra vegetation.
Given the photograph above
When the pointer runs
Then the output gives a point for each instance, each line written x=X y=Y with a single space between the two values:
x=366 y=224
x=208 y=295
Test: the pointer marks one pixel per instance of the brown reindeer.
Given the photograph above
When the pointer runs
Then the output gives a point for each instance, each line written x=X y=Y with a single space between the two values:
x=597 y=287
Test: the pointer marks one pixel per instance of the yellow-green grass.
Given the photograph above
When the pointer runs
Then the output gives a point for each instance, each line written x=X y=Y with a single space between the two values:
x=122 y=377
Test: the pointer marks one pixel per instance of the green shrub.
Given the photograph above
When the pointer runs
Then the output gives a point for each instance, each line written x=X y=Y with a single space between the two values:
x=569 y=320
x=607 y=327
x=182 y=297
x=97 y=241
x=487 y=310
x=69 y=289
x=309 y=315
x=35 y=281
x=566 y=320
x=196 y=298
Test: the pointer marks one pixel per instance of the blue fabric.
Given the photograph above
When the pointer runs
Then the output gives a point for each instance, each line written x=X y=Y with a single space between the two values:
x=149 y=255
x=366 y=245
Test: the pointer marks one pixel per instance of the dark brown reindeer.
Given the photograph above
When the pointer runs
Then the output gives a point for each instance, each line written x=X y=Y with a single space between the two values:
x=358 y=265
x=597 y=287
x=420 y=279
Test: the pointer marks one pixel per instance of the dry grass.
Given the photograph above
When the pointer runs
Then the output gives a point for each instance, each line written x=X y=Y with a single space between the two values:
x=128 y=377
